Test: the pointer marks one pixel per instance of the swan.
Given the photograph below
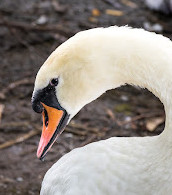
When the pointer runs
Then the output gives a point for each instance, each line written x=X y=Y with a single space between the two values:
x=78 y=72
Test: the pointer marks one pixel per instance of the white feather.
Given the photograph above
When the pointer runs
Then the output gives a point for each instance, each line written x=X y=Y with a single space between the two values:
x=88 y=64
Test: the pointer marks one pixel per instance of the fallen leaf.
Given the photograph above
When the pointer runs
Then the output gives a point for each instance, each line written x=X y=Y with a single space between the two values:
x=93 y=19
x=125 y=108
x=152 y=124
x=58 y=7
x=95 y=12
x=114 y=12
x=129 y=3
x=1 y=111
x=110 y=114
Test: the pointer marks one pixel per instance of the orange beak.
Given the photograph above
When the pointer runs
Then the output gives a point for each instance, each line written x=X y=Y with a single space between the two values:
x=51 y=120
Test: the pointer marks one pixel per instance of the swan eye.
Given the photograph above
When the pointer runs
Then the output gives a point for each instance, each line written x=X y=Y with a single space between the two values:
x=54 y=82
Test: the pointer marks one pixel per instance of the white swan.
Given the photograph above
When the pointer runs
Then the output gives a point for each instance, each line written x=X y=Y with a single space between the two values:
x=79 y=71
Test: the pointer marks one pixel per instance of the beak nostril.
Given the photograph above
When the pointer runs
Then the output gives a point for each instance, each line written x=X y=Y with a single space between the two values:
x=46 y=117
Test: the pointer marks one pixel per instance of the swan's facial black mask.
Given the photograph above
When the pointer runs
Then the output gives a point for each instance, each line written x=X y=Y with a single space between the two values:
x=55 y=118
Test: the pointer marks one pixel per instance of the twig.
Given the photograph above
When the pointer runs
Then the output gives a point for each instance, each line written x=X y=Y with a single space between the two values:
x=114 y=12
x=17 y=125
x=68 y=147
x=28 y=151
x=1 y=111
x=25 y=124
x=38 y=130
x=14 y=85
x=112 y=3
x=11 y=126
x=75 y=132
x=129 y=3
x=89 y=140
x=20 y=138
x=58 y=7
x=36 y=28
x=141 y=116
x=80 y=126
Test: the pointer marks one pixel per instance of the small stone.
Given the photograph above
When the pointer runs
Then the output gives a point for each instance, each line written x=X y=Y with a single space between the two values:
x=128 y=118
x=68 y=135
x=153 y=27
x=19 y=179
x=124 y=98
x=42 y=20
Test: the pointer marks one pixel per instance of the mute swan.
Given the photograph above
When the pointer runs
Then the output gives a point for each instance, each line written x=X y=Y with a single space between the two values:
x=79 y=71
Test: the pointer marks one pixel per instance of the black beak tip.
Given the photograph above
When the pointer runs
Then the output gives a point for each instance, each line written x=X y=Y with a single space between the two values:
x=42 y=158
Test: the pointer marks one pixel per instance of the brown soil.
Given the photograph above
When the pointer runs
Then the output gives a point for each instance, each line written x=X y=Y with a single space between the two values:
x=25 y=44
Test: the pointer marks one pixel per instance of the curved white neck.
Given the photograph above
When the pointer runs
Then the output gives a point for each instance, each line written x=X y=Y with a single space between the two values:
x=135 y=57
x=151 y=69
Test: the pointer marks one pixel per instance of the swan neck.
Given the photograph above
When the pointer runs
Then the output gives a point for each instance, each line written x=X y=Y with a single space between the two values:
x=156 y=76
x=145 y=62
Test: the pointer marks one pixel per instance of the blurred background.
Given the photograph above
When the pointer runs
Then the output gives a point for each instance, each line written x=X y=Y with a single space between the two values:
x=29 y=32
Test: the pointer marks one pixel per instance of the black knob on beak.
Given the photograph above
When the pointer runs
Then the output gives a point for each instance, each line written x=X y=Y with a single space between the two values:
x=47 y=96
x=36 y=104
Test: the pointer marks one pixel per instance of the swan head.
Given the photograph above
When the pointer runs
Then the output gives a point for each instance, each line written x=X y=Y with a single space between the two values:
x=66 y=82
x=87 y=65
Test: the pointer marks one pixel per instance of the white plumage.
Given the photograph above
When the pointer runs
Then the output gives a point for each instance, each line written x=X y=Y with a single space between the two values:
x=87 y=65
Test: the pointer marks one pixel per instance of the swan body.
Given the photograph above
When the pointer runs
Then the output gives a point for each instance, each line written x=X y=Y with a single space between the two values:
x=87 y=65
x=112 y=166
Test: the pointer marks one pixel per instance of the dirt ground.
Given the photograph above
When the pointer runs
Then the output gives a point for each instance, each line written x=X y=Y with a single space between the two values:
x=29 y=32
